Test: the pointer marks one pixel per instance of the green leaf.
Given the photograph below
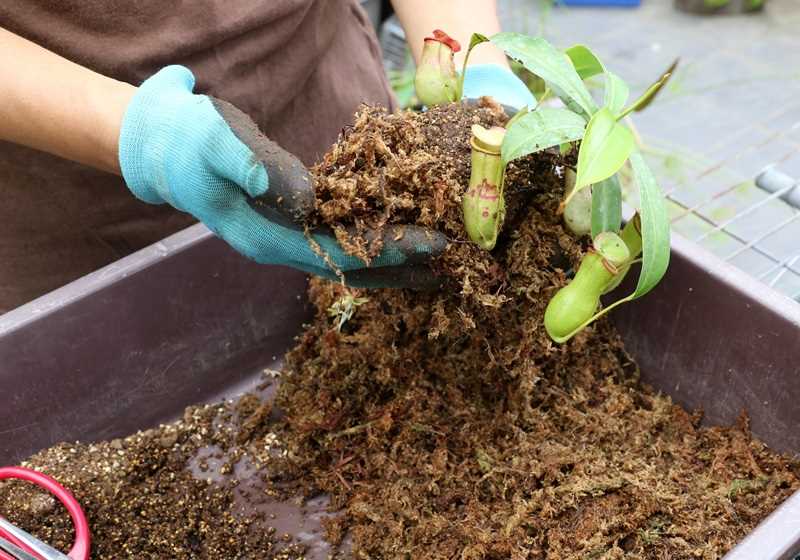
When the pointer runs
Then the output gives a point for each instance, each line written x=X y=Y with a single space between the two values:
x=655 y=239
x=650 y=94
x=541 y=129
x=477 y=39
x=655 y=227
x=585 y=61
x=616 y=94
x=606 y=206
x=604 y=149
x=550 y=64
x=587 y=65
x=517 y=116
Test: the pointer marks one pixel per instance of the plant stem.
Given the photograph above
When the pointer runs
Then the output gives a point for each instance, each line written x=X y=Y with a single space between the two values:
x=474 y=41
x=352 y=430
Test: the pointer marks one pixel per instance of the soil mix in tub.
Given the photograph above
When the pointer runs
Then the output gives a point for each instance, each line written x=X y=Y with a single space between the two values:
x=443 y=424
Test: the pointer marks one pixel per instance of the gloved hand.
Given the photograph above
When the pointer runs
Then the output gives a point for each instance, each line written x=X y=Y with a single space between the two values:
x=498 y=82
x=205 y=157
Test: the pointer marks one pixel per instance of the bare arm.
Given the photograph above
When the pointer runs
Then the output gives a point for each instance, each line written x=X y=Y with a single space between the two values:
x=54 y=105
x=458 y=18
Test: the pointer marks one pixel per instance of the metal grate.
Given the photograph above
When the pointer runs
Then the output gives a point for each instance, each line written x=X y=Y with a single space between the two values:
x=780 y=186
x=769 y=224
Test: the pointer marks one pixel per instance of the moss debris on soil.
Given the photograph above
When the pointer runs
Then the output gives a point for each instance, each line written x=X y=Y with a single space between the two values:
x=441 y=425
x=448 y=425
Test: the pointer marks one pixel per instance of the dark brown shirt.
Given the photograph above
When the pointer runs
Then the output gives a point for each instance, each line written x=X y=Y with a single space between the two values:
x=300 y=68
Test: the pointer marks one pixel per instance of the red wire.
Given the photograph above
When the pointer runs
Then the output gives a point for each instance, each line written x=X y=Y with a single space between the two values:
x=80 y=550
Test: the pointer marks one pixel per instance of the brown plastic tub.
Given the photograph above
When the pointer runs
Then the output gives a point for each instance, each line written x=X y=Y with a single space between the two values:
x=187 y=321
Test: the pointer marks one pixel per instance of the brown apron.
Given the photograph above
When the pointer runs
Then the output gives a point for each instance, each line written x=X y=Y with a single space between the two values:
x=300 y=68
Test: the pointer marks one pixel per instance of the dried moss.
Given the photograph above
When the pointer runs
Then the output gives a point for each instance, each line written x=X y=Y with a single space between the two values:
x=442 y=425
x=448 y=425
x=412 y=168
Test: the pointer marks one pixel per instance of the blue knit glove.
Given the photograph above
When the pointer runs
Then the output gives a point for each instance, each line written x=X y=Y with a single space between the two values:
x=498 y=82
x=205 y=157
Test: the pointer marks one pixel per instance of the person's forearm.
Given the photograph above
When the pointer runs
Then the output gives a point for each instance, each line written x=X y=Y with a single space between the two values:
x=54 y=105
x=458 y=18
